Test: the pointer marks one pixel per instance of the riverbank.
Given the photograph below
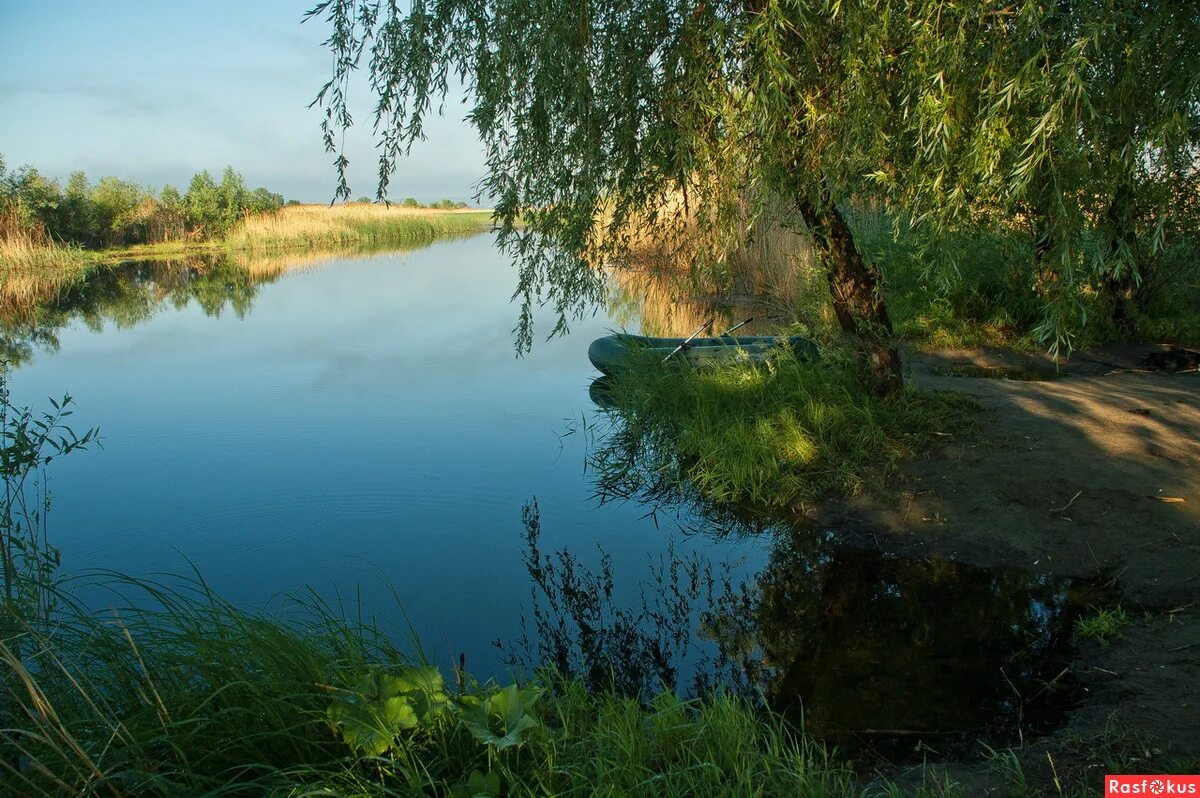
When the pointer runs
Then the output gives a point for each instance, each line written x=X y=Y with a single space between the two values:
x=31 y=271
x=198 y=697
x=353 y=225
x=1085 y=471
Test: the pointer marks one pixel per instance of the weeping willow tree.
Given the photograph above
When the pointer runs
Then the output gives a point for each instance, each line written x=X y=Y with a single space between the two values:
x=614 y=111
x=1076 y=122
x=598 y=118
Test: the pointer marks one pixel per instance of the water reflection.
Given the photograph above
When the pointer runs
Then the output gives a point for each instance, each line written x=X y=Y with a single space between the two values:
x=129 y=294
x=885 y=651
x=873 y=651
x=125 y=296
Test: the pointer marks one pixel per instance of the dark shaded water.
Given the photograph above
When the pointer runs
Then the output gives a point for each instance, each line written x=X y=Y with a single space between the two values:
x=879 y=651
x=363 y=427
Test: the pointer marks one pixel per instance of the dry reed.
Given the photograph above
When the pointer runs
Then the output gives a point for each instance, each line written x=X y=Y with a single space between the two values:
x=33 y=271
x=677 y=275
x=355 y=225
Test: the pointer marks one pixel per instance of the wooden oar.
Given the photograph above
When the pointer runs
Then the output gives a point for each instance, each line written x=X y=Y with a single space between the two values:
x=683 y=345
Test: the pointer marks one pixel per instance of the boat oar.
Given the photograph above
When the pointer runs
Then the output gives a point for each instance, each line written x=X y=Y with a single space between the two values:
x=739 y=325
x=684 y=345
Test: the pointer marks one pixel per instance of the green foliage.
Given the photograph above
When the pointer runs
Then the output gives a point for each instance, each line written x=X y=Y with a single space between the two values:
x=438 y=205
x=115 y=203
x=500 y=720
x=1104 y=626
x=763 y=434
x=203 y=202
x=197 y=697
x=478 y=785
x=382 y=705
x=1071 y=127
x=78 y=215
x=116 y=212
x=28 y=443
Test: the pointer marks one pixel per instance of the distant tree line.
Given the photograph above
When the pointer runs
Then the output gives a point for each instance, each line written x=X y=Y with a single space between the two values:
x=114 y=212
x=411 y=202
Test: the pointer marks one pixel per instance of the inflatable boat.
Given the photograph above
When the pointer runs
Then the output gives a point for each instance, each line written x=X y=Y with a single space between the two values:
x=610 y=352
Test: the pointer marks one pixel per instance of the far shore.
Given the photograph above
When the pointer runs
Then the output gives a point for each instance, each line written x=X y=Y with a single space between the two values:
x=29 y=270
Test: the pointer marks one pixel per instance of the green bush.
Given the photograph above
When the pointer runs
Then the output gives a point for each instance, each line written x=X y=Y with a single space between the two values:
x=116 y=212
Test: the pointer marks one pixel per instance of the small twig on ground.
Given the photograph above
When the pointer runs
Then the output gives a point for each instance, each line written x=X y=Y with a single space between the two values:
x=1066 y=506
x=1183 y=648
x=1050 y=683
x=1112 y=582
x=1020 y=707
x=1157 y=542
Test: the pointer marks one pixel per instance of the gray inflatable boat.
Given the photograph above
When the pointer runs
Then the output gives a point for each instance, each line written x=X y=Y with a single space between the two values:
x=610 y=352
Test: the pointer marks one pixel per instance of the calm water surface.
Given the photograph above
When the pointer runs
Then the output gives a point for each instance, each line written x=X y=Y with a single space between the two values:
x=365 y=425
x=362 y=426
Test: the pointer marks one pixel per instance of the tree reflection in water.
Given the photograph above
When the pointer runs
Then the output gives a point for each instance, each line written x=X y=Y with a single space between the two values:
x=125 y=296
x=884 y=650
x=868 y=649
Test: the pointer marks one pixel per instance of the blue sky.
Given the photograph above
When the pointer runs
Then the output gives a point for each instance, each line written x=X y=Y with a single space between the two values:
x=155 y=91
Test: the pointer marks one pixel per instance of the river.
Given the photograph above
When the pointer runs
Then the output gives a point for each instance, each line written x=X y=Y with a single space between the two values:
x=362 y=426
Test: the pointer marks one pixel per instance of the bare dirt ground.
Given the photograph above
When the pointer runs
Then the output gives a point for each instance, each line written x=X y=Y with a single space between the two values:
x=1094 y=473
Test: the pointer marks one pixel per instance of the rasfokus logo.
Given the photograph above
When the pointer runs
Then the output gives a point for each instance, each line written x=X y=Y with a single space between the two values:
x=1151 y=785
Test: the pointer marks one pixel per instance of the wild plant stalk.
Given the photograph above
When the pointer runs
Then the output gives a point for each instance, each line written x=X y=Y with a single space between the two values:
x=28 y=442
x=673 y=277
x=197 y=697
x=31 y=270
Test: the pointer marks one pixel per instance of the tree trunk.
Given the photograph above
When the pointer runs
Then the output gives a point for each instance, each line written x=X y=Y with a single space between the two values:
x=1119 y=282
x=855 y=287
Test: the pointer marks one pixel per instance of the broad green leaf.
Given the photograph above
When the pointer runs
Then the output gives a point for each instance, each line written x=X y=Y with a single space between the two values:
x=479 y=785
x=501 y=719
x=384 y=704
x=425 y=690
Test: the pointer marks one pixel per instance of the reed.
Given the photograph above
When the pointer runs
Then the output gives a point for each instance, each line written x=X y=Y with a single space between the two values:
x=353 y=225
x=676 y=274
x=33 y=271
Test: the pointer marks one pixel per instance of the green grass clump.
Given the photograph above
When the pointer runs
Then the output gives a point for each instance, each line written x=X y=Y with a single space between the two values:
x=179 y=693
x=1104 y=626
x=763 y=434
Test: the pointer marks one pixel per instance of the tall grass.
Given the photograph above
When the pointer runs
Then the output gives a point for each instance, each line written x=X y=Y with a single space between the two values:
x=961 y=289
x=676 y=276
x=32 y=270
x=355 y=225
x=177 y=692
x=172 y=690
x=766 y=435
